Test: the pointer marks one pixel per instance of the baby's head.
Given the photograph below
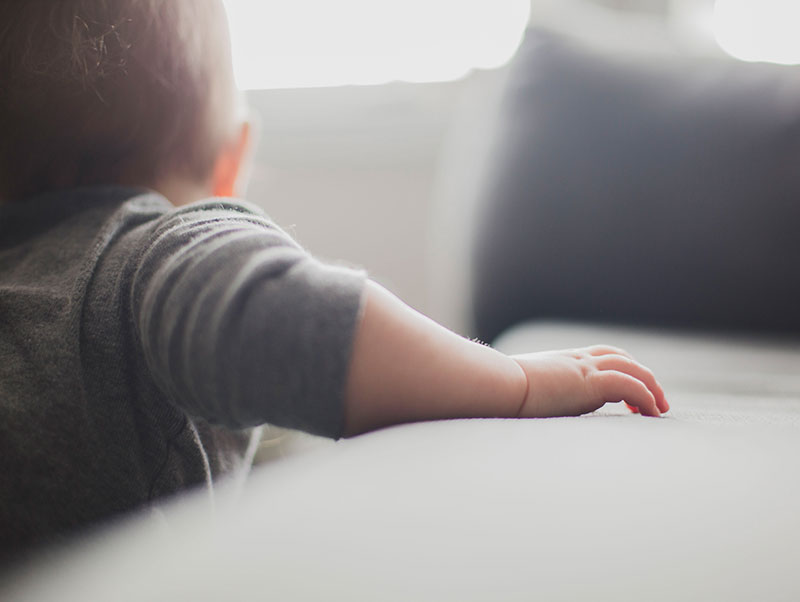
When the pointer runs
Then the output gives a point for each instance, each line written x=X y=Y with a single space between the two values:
x=130 y=92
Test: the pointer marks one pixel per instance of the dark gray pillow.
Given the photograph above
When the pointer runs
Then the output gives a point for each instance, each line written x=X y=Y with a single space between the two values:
x=632 y=190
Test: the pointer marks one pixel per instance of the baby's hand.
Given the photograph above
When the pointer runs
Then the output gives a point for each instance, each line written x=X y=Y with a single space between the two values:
x=576 y=381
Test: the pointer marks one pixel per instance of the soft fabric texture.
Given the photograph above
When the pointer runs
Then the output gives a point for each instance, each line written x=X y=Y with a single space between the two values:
x=139 y=341
x=642 y=189
x=698 y=505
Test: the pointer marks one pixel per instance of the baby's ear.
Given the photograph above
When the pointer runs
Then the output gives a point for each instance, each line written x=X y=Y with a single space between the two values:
x=232 y=167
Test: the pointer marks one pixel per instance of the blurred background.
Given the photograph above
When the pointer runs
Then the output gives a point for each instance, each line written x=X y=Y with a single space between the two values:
x=380 y=119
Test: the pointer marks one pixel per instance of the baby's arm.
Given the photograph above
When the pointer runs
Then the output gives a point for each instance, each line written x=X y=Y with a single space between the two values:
x=407 y=368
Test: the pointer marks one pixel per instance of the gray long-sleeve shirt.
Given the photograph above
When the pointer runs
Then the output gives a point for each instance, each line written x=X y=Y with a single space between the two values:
x=137 y=340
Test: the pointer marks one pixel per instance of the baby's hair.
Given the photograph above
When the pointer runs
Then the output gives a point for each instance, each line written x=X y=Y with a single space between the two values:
x=99 y=92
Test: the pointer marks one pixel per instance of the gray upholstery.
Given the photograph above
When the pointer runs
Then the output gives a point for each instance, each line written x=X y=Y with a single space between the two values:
x=632 y=190
x=699 y=505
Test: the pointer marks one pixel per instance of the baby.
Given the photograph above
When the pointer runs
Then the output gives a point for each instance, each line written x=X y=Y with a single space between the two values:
x=147 y=320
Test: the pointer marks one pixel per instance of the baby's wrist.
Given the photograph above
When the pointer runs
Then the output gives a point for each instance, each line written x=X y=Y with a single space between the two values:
x=526 y=390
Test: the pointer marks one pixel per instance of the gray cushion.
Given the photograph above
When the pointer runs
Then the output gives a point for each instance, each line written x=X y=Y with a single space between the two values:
x=633 y=190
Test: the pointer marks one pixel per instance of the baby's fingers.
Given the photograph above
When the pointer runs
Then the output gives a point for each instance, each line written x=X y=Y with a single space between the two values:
x=601 y=350
x=613 y=386
x=633 y=368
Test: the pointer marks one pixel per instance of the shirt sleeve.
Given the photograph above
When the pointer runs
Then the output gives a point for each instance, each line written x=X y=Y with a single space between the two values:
x=239 y=325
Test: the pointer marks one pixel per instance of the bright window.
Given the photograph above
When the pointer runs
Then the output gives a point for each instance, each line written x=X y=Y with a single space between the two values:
x=759 y=30
x=311 y=43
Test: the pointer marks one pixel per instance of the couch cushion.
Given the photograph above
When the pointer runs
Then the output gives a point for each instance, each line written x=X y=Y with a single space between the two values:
x=643 y=190
x=698 y=505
